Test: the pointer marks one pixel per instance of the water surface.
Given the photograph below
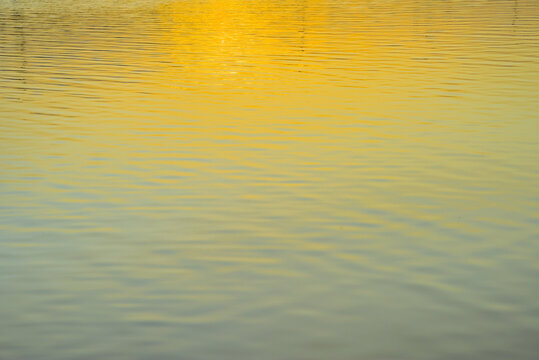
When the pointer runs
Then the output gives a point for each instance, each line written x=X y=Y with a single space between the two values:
x=263 y=179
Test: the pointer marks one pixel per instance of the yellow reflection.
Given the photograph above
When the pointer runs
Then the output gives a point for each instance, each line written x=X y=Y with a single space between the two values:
x=185 y=151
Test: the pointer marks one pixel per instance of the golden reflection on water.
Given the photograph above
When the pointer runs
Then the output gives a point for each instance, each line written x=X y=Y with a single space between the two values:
x=264 y=179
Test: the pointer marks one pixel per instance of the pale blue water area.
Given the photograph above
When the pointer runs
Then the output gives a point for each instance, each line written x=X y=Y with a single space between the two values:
x=263 y=179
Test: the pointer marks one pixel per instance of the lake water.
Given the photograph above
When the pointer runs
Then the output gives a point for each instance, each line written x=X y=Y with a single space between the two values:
x=269 y=180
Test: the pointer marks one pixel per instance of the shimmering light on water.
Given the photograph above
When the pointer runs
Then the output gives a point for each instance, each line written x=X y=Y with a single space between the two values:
x=233 y=179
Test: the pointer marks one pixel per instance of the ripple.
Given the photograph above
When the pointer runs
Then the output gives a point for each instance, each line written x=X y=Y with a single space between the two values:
x=266 y=180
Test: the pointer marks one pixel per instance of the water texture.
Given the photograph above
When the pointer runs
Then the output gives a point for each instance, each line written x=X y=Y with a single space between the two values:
x=264 y=179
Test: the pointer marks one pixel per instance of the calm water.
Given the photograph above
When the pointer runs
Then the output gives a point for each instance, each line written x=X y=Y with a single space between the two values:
x=263 y=179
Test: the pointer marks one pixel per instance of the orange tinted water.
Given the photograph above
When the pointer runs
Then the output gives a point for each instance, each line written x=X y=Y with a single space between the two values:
x=232 y=179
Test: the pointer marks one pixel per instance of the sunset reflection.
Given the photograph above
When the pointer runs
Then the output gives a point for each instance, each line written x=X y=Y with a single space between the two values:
x=256 y=179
